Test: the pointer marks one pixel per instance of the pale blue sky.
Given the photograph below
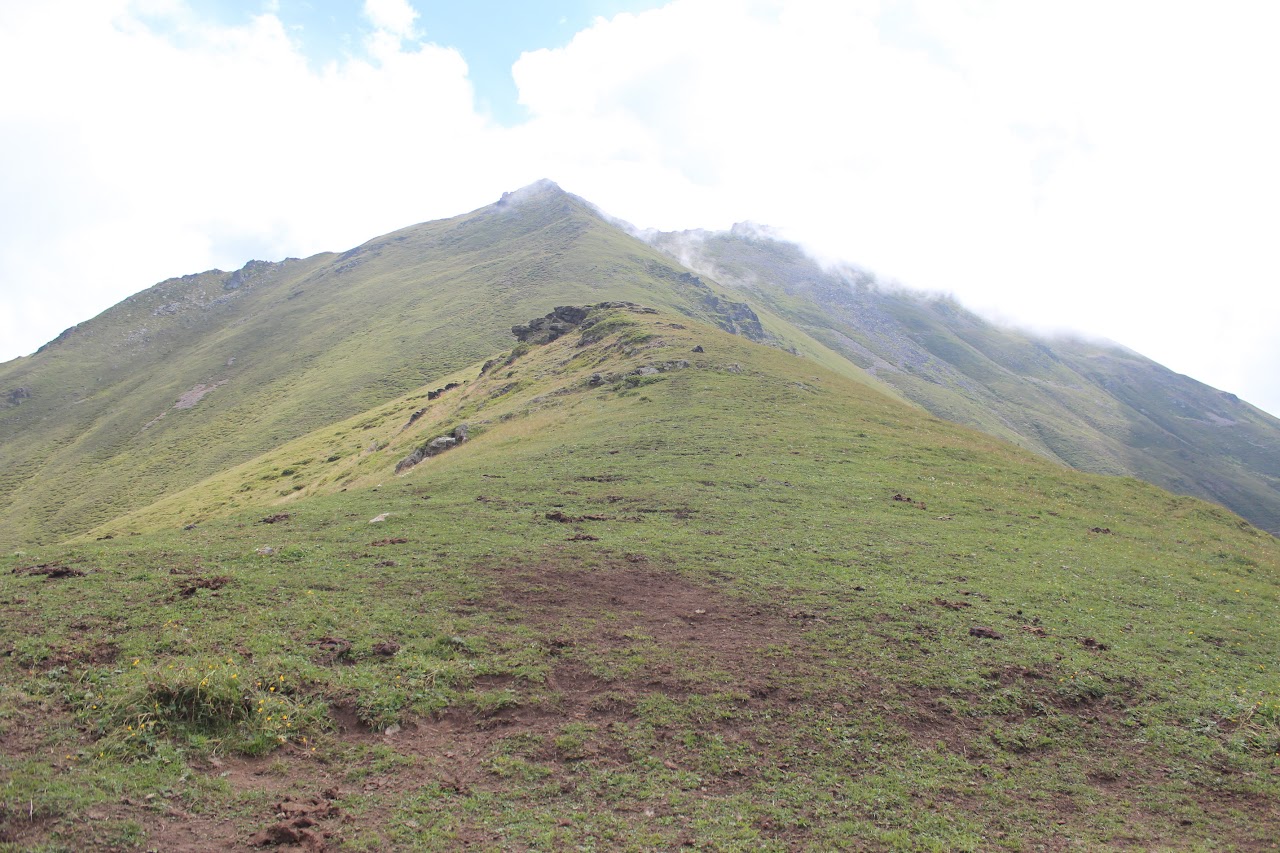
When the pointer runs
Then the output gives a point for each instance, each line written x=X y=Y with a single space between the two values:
x=490 y=34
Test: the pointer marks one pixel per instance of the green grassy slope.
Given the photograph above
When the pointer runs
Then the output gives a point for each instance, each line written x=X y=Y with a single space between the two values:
x=1096 y=407
x=743 y=604
x=90 y=427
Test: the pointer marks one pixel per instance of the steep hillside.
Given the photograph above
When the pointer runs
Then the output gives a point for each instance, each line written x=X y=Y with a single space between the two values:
x=201 y=373
x=1095 y=407
x=674 y=589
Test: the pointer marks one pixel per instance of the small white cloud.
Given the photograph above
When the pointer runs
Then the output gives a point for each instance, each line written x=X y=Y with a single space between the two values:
x=391 y=16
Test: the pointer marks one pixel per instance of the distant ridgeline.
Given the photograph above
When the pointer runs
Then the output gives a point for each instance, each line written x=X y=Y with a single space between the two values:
x=1096 y=407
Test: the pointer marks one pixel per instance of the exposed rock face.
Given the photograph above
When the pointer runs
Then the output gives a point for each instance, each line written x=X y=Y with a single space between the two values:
x=736 y=318
x=246 y=274
x=17 y=395
x=598 y=379
x=435 y=395
x=434 y=447
x=546 y=329
x=564 y=318
x=66 y=333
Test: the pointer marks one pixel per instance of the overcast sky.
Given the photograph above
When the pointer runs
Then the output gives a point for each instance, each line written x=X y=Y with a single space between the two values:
x=1106 y=167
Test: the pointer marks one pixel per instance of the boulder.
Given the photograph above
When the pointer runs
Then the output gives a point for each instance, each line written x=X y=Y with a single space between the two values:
x=441 y=444
x=434 y=447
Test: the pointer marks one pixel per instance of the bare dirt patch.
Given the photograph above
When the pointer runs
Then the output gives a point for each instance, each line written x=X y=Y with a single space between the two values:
x=189 y=399
x=564 y=518
x=603 y=609
x=210 y=583
x=51 y=571
x=95 y=653
x=301 y=823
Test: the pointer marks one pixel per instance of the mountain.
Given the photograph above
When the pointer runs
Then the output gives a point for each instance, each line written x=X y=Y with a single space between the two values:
x=1094 y=406
x=103 y=420
x=203 y=372
x=643 y=568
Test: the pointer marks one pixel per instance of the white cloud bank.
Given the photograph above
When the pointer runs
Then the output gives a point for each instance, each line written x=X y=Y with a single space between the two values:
x=1107 y=167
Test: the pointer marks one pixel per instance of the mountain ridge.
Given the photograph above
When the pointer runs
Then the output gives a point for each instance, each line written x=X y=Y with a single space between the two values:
x=208 y=370
x=1094 y=406
x=272 y=351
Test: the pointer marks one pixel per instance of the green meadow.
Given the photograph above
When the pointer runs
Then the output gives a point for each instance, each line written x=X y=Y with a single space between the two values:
x=732 y=599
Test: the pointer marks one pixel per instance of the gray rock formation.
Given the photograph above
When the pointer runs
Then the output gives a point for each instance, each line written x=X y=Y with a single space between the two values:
x=564 y=318
x=434 y=447
x=546 y=329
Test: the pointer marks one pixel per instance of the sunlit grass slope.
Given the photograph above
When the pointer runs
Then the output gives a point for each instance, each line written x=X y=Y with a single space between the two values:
x=201 y=373
x=743 y=603
x=1096 y=407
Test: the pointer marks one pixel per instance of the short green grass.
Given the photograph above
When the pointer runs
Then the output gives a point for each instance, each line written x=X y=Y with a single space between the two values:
x=544 y=702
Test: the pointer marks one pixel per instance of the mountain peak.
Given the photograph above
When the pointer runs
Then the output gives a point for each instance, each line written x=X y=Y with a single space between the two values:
x=755 y=231
x=544 y=189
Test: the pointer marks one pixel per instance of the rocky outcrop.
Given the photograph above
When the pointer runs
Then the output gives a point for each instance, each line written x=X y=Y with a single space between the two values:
x=434 y=447
x=564 y=319
x=247 y=274
x=17 y=395
x=431 y=395
x=435 y=395
x=546 y=329
x=736 y=318
x=597 y=379
x=61 y=338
